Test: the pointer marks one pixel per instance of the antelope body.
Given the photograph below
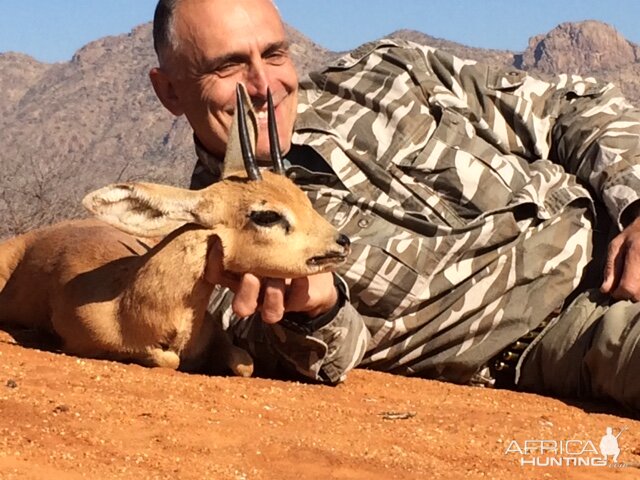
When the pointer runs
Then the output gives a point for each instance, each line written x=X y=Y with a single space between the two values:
x=107 y=292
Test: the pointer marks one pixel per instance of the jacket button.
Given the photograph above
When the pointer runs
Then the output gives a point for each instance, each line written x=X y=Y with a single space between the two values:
x=364 y=223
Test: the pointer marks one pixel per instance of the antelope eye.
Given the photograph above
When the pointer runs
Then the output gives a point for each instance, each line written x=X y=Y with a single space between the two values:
x=266 y=218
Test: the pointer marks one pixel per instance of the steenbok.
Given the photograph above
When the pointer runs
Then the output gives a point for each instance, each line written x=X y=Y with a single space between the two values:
x=130 y=285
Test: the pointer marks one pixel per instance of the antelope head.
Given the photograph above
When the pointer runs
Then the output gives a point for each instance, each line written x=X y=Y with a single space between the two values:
x=265 y=223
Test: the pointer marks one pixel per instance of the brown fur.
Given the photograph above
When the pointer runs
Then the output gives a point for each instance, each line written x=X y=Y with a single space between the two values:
x=111 y=294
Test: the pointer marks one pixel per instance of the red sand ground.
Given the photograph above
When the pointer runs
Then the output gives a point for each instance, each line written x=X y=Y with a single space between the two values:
x=69 y=418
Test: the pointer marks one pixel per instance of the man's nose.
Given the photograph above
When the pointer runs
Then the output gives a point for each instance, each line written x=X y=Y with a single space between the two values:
x=257 y=80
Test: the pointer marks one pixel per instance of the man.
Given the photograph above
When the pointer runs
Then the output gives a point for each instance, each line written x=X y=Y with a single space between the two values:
x=475 y=256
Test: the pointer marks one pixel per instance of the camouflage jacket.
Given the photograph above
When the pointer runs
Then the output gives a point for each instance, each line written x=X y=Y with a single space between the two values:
x=450 y=178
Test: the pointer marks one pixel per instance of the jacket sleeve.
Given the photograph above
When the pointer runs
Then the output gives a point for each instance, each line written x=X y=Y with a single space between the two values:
x=596 y=135
x=324 y=354
x=583 y=124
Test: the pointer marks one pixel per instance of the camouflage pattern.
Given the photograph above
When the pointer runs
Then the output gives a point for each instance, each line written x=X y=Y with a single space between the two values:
x=450 y=178
x=590 y=350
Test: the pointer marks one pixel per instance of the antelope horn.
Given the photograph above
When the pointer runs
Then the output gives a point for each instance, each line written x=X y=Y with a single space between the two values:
x=274 y=142
x=250 y=165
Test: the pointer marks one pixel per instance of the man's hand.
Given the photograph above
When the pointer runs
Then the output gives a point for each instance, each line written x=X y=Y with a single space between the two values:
x=622 y=270
x=272 y=297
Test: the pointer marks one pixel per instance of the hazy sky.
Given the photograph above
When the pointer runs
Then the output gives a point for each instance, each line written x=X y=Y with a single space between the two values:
x=52 y=30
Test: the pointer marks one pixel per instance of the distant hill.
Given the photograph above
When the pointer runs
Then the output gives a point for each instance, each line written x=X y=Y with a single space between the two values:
x=67 y=128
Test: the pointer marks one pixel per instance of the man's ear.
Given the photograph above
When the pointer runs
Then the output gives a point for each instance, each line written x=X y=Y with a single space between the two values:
x=165 y=90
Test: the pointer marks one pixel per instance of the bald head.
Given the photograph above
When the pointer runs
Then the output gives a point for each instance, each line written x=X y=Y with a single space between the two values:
x=165 y=40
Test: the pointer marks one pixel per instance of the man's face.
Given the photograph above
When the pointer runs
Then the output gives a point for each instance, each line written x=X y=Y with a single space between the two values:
x=221 y=43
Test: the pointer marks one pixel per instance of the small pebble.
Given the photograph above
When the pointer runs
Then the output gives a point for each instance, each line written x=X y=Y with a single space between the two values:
x=61 y=409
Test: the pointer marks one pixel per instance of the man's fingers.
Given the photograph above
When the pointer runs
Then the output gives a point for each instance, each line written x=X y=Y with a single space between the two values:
x=247 y=295
x=313 y=295
x=272 y=309
x=266 y=296
x=613 y=266
x=298 y=295
x=628 y=287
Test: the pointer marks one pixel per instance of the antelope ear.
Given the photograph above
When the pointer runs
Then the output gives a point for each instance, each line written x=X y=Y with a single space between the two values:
x=144 y=209
x=233 y=161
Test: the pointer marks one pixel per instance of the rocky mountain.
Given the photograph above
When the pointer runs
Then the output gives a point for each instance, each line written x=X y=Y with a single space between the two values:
x=69 y=127
x=580 y=47
x=584 y=48
x=18 y=73
x=495 y=57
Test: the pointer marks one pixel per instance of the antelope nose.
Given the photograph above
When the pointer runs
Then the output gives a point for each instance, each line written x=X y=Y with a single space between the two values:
x=343 y=241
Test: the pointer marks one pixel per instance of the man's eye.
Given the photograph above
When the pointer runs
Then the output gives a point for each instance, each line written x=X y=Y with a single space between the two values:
x=265 y=218
x=277 y=58
x=228 y=69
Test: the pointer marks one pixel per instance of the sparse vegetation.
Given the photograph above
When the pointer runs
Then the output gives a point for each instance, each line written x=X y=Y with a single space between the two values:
x=68 y=128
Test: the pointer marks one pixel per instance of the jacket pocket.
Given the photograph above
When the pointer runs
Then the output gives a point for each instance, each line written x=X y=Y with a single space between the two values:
x=468 y=173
